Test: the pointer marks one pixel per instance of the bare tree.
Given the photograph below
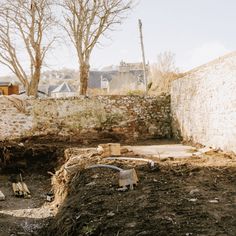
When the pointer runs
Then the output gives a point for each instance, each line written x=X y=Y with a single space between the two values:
x=23 y=28
x=163 y=73
x=166 y=63
x=88 y=20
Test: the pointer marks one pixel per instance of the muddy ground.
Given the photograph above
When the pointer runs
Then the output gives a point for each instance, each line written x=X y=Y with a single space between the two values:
x=188 y=197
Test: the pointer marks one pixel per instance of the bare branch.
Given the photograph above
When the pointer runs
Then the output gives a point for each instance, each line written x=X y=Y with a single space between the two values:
x=86 y=21
x=24 y=25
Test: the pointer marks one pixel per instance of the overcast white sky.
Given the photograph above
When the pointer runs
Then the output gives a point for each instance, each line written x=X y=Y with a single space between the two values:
x=197 y=31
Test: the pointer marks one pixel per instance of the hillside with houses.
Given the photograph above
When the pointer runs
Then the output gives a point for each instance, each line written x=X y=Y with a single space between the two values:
x=120 y=79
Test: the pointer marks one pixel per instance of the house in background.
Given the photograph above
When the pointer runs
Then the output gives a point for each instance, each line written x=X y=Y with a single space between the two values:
x=100 y=79
x=130 y=77
x=7 y=88
x=63 y=90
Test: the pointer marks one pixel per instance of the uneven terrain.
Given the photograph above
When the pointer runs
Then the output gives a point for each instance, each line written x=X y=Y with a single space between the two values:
x=185 y=196
x=172 y=199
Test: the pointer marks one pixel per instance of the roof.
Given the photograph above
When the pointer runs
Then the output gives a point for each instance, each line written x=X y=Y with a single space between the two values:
x=5 y=84
x=64 y=87
x=94 y=80
x=51 y=88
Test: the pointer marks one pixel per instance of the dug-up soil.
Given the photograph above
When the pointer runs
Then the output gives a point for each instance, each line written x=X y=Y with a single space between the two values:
x=188 y=197
x=20 y=216
x=193 y=196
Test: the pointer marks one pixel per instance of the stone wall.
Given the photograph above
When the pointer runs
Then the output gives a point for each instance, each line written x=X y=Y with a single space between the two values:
x=86 y=118
x=204 y=104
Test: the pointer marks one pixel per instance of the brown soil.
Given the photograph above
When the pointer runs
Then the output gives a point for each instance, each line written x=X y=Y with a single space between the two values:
x=173 y=199
x=24 y=216
x=33 y=160
x=187 y=197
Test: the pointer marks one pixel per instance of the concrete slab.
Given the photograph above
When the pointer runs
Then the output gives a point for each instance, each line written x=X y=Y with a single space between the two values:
x=164 y=151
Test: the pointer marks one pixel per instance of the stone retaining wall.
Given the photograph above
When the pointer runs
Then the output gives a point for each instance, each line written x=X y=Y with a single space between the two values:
x=86 y=118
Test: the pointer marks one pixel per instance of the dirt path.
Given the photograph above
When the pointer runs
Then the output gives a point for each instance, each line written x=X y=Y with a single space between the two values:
x=24 y=216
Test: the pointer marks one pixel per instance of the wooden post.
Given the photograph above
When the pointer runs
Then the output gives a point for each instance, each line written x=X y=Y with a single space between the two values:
x=143 y=57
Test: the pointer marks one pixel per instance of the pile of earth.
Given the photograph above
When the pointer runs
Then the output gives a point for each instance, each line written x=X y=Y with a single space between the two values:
x=171 y=199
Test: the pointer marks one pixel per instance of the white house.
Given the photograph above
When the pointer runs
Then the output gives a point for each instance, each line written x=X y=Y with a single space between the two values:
x=63 y=90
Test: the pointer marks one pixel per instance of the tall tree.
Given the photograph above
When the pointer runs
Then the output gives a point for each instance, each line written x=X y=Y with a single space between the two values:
x=23 y=32
x=86 y=21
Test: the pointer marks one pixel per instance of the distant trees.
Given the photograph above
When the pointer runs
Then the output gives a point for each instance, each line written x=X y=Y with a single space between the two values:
x=86 y=21
x=163 y=73
x=24 y=25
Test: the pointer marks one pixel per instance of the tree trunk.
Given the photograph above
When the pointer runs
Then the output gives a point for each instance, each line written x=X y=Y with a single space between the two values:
x=84 y=75
x=34 y=83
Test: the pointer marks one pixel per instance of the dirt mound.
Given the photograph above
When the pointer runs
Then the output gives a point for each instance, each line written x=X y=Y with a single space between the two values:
x=169 y=200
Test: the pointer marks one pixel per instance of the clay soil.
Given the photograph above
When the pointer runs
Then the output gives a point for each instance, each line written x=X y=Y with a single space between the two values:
x=172 y=199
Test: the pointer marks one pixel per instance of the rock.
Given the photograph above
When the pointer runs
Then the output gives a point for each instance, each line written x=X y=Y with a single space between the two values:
x=2 y=196
x=131 y=224
x=100 y=150
x=153 y=130
x=194 y=191
x=95 y=176
x=110 y=214
x=123 y=189
x=214 y=201
x=192 y=200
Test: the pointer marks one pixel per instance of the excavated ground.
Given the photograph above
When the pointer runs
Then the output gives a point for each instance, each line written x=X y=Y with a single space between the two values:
x=195 y=196
x=33 y=160
x=24 y=216
x=173 y=199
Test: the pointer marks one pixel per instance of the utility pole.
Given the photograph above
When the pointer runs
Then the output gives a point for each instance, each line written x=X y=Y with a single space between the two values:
x=143 y=56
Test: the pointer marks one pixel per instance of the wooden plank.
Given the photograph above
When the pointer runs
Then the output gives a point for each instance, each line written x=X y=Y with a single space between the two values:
x=20 y=189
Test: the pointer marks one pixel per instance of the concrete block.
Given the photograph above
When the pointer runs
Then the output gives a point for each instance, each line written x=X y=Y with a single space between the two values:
x=110 y=149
